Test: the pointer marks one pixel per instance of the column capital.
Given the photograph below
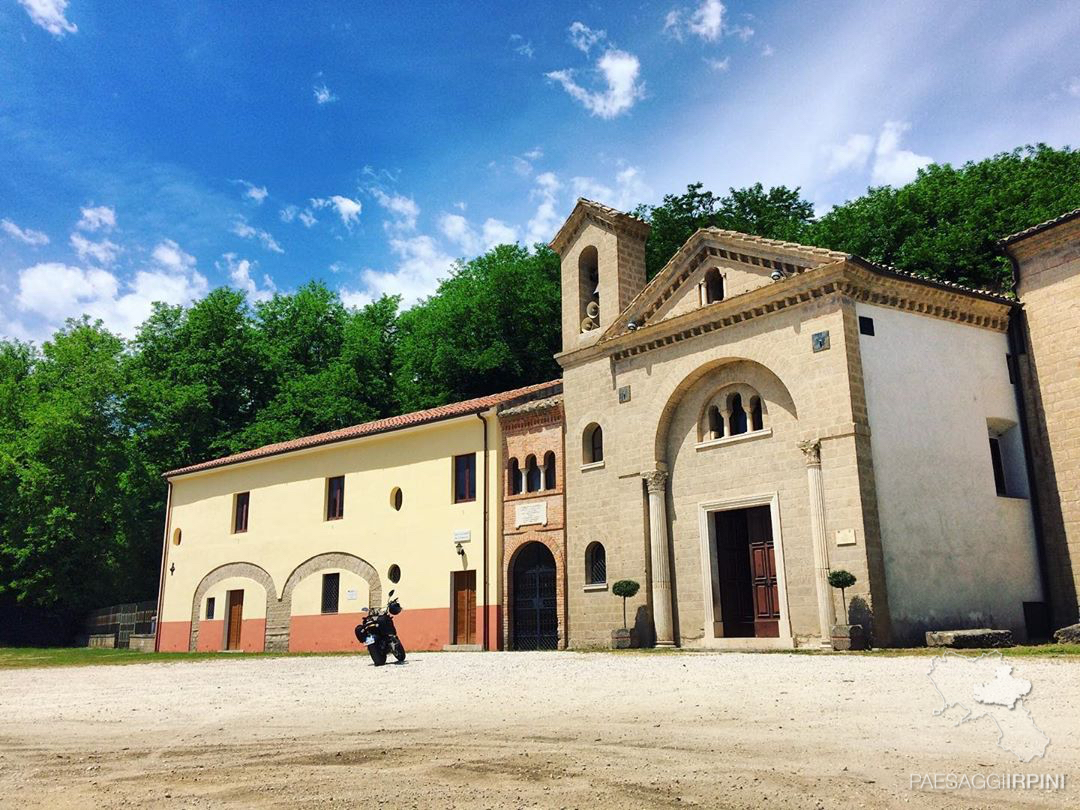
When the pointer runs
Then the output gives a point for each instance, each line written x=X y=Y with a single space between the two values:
x=812 y=450
x=655 y=480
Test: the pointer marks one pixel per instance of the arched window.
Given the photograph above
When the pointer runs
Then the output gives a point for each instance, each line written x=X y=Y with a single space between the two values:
x=714 y=286
x=737 y=419
x=549 y=470
x=716 y=423
x=589 y=288
x=593 y=441
x=757 y=421
x=513 y=475
x=532 y=475
x=595 y=564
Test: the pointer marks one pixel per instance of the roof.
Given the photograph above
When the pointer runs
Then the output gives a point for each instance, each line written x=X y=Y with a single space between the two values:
x=1042 y=226
x=531 y=406
x=392 y=423
x=889 y=270
x=604 y=212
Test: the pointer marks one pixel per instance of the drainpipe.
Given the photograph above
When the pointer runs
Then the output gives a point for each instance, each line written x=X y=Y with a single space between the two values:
x=164 y=555
x=484 y=642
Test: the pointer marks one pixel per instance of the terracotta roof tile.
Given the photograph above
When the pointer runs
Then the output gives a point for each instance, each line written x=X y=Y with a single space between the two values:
x=1042 y=226
x=371 y=428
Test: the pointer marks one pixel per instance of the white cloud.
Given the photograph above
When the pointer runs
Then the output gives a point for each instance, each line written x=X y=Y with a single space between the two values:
x=323 y=95
x=496 y=232
x=50 y=15
x=348 y=209
x=404 y=209
x=1072 y=86
x=97 y=218
x=493 y=232
x=743 y=32
x=253 y=192
x=767 y=51
x=28 y=236
x=307 y=218
x=583 y=38
x=288 y=213
x=522 y=46
x=240 y=270
x=619 y=70
x=892 y=165
x=171 y=257
x=673 y=23
x=628 y=191
x=852 y=154
x=535 y=153
x=103 y=253
x=542 y=225
x=718 y=65
x=707 y=21
x=422 y=264
x=245 y=231
x=57 y=290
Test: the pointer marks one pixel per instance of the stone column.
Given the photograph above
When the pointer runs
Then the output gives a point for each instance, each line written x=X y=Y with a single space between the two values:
x=826 y=616
x=656 y=481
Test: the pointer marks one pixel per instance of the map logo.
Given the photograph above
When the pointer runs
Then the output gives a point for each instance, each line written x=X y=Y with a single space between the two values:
x=984 y=686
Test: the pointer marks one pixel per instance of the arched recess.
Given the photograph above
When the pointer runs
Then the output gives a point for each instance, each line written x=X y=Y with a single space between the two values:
x=765 y=382
x=535 y=596
x=236 y=569
x=277 y=621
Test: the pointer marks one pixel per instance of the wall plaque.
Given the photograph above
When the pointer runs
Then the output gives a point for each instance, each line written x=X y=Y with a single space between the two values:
x=350 y=595
x=531 y=514
x=463 y=535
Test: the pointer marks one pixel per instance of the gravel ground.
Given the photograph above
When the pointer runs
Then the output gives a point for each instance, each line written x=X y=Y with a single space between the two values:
x=514 y=730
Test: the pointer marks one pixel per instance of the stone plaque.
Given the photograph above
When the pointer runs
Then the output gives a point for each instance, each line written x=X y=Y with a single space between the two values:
x=845 y=537
x=531 y=514
x=624 y=394
x=820 y=341
x=350 y=595
x=463 y=535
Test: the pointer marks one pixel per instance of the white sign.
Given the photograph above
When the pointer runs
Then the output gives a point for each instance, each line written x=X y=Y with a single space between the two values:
x=463 y=535
x=845 y=537
x=350 y=595
x=530 y=514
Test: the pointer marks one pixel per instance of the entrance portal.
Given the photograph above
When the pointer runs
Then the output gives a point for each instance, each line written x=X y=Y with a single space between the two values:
x=534 y=611
x=746 y=567
x=234 y=620
x=464 y=584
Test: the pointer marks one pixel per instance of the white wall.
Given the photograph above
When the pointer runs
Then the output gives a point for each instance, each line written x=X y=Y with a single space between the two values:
x=956 y=553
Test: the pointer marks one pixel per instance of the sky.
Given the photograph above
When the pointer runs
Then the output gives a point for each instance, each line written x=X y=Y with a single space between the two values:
x=152 y=152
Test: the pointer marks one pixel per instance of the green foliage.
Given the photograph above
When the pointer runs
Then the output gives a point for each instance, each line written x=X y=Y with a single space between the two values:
x=841 y=578
x=626 y=588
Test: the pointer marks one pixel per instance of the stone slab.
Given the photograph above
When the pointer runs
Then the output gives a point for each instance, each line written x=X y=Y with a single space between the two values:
x=970 y=639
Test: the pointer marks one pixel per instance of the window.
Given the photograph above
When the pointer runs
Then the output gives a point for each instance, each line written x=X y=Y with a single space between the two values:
x=595 y=564
x=335 y=498
x=532 y=475
x=396 y=498
x=1010 y=363
x=210 y=603
x=589 y=288
x=716 y=424
x=549 y=470
x=394 y=574
x=1007 y=458
x=999 y=465
x=757 y=421
x=713 y=286
x=593 y=450
x=514 y=474
x=465 y=478
x=866 y=325
x=240 y=512
x=737 y=419
x=330 y=585
x=176 y=537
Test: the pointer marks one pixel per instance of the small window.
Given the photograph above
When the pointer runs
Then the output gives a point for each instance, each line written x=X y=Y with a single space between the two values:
x=714 y=286
x=176 y=537
x=396 y=498
x=866 y=325
x=737 y=420
x=999 y=466
x=716 y=423
x=394 y=574
x=549 y=470
x=330 y=586
x=757 y=419
x=1007 y=458
x=465 y=478
x=335 y=498
x=514 y=476
x=240 y=512
x=593 y=451
x=1010 y=363
x=595 y=564
x=210 y=605
x=532 y=475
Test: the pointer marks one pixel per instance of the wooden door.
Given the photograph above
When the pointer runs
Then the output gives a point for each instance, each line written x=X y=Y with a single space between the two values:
x=235 y=620
x=763 y=572
x=733 y=564
x=464 y=586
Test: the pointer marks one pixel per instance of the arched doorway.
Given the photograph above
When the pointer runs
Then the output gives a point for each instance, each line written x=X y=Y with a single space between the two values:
x=535 y=605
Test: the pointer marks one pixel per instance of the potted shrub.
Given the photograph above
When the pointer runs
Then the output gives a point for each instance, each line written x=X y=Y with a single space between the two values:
x=626 y=588
x=845 y=636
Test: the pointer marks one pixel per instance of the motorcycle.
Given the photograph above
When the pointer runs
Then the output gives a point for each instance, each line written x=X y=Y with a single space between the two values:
x=378 y=634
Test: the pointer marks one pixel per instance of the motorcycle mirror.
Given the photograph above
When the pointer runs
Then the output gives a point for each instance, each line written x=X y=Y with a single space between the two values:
x=391 y=593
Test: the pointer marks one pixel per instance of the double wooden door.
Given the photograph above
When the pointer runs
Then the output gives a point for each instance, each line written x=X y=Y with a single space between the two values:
x=746 y=563
x=464 y=587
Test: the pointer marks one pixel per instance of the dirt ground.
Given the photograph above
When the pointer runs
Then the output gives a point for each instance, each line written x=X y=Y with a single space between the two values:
x=514 y=730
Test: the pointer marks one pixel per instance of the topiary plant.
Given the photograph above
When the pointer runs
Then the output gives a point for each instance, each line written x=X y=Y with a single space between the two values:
x=625 y=588
x=842 y=579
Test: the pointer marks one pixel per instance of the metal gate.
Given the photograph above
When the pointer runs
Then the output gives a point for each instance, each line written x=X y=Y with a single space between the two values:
x=536 y=619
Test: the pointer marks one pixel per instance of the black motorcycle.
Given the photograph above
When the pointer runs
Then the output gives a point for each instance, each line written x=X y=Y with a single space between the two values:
x=378 y=634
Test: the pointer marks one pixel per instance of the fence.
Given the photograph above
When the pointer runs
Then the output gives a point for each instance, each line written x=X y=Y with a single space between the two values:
x=119 y=622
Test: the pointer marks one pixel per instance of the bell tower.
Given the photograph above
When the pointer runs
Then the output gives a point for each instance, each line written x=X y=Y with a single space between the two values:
x=603 y=268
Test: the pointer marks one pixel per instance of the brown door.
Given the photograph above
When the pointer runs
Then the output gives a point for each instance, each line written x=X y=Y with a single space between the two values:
x=236 y=616
x=464 y=607
x=763 y=572
x=733 y=562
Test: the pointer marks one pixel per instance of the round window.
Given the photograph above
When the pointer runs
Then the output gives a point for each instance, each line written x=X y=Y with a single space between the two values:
x=396 y=498
x=176 y=537
x=394 y=574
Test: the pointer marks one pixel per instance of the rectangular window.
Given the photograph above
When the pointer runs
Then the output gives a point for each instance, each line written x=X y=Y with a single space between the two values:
x=335 y=498
x=465 y=478
x=999 y=466
x=240 y=512
x=1010 y=361
x=866 y=325
x=330 y=585
x=210 y=607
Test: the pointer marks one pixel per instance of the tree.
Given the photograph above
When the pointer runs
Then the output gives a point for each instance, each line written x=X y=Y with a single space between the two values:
x=626 y=588
x=842 y=580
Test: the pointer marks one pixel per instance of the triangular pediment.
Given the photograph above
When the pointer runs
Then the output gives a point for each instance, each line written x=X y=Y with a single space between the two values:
x=745 y=263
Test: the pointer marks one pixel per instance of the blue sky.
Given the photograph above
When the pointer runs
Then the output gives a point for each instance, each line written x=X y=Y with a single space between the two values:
x=153 y=152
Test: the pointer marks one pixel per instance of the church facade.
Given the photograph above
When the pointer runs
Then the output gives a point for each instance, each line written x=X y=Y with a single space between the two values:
x=757 y=415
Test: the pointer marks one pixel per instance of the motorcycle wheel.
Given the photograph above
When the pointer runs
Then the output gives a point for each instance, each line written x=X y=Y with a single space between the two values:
x=378 y=655
x=398 y=649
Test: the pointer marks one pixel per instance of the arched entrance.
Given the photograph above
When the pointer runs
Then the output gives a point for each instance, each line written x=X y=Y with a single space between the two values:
x=534 y=610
